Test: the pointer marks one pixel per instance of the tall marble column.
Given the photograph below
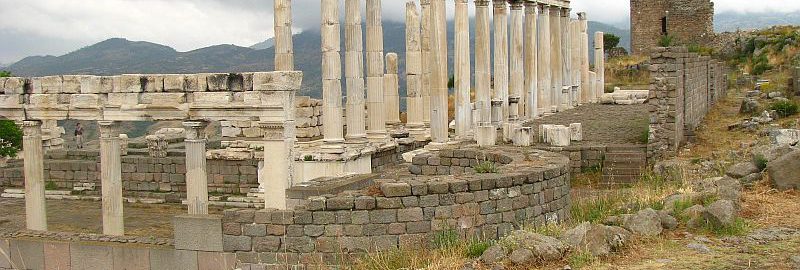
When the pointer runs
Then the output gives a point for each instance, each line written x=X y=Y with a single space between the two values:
x=517 y=70
x=545 y=71
x=196 y=174
x=439 y=74
x=566 y=64
x=33 y=162
x=555 y=58
x=485 y=132
x=415 y=103
x=586 y=95
x=111 y=178
x=599 y=65
x=284 y=51
x=463 y=73
x=375 y=70
x=531 y=60
x=277 y=161
x=500 y=93
x=425 y=32
x=332 y=130
x=575 y=58
x=354 y=72
x=391 y=96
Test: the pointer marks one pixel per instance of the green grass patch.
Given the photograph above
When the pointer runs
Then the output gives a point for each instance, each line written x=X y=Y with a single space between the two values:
x=579 y=260
x=394 y=259
x=475 y=248
x=738 y=228
x=785 y=108
x=446 y=239
x=50 y=185
x=486 y=167
x=761 y=162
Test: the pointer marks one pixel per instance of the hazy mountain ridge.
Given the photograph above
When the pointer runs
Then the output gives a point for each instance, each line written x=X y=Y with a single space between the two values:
x=731 y=21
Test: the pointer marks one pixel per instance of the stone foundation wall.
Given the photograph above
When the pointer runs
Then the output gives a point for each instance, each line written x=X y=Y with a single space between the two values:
x=406 y=213
x=683 y=88
x=383 y=159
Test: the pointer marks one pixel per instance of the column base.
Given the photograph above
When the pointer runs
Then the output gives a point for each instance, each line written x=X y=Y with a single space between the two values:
x=486 y=134
x=358 y=139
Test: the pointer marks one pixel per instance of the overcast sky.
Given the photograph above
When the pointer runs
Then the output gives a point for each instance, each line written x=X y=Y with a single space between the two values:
x=56 y=27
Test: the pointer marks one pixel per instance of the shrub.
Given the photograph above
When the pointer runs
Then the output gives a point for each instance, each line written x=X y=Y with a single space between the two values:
x=10 y=138
x=446 y=239
x=50 y=185
x=486 y=167
x=760 y=161
x=475 y=248
x=785 y=108
x=666 y=41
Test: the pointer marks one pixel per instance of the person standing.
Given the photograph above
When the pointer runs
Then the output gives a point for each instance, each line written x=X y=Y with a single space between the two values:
x=79 y=135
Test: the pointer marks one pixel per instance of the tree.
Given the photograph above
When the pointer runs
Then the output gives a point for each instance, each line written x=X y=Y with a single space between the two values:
x=4 y=73
x=610 y=41
x=10 y=134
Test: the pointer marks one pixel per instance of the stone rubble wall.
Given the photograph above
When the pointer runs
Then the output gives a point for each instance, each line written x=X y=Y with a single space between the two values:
x=683 y=88
x=407 y=213
x=688 y=22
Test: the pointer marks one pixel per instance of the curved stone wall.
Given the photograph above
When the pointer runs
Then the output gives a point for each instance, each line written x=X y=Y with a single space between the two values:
x=531 y=189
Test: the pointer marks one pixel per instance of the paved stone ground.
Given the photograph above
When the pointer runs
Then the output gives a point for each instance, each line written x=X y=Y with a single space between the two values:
x=604 y=124
x=85 y=217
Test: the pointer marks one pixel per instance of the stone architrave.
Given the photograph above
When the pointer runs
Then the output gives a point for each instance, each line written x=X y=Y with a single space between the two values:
x=375 y=70
x=331 y=77
x=277 y=162
x=391 y=94
x=284 y=52
x=33 y=157
x=599 y=65
x=531 y=60
x=111 y=178
x=586 y=95
x=463 y=75
x=354 y=72
x=545 y=70
x=196 y=173
x=415 y=103
x=500 y=93
x=517 y=65
x=555 y=58
x=482 y=70
x=425 y=41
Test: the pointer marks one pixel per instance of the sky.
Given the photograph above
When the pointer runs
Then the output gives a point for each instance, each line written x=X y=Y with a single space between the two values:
x=56 y=27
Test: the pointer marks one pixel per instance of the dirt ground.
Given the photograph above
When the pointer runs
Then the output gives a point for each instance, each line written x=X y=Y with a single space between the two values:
x=605 y=124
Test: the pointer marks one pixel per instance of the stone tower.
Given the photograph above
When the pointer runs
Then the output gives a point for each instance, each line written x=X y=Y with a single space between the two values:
x=687 y=21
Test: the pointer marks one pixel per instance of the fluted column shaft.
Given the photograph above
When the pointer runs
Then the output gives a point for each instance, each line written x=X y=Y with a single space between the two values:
x=354 y=72
x=599 y=64
x=463 y=73
x=545 y=71
x=500 y=93
x=483 y=74
x=555 y=58
x=196 y=174
x=531 y=61
x=517 y=77
x=284 y=51
x=33 y=160
x=331 y=77
x=439 y=74
x=586 y=95
x=375 y=70
x=111 y=178
x=425 y=34
x=414 y=84
x=391 y=96
x=566 y=64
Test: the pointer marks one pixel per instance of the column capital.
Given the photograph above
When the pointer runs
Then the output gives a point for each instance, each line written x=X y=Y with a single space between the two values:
x=461 y=1
x=582 y=16
x=499 y=3
x=32 y=128
x=273 y=131
x=424 y=2
x=530 y=7
x=481 y=3
x=517 y=4
x=108 y=129
x=195 y=130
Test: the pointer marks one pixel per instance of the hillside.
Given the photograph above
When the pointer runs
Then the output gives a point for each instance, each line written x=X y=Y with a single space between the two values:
x=731 y=21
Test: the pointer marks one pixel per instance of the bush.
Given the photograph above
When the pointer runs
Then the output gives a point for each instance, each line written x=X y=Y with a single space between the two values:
x=785 y=108
x=446 y=239
x=475 y=248
x=486 y=167
x=666 y=41
x=10 y=138
x=761 y=162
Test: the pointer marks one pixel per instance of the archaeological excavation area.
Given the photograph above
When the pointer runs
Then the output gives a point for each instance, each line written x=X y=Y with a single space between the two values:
x=303 y=182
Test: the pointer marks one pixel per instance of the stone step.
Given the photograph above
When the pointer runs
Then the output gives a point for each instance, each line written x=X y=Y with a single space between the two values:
x=622 y=171
x=46 y=192
x=623 y=179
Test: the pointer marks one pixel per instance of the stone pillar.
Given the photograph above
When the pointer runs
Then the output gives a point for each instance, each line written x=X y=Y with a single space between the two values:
x=439 y=74
x=415 y=103
x=331 y=77
x=555 y=58
x=354 y=72
x=284 y=52
x=531 y=60
x=277 y=176
x=517 y=65
x=586 y=95
x=425 y=32
x=33 y=158
x=566 y=64
x=196 y=176
x=391 y=96
x=599 y=65
x=375 y=70
x=544 y=73
x=500 y=92
x=111 y=178
x=483 y=75
x=463 y=71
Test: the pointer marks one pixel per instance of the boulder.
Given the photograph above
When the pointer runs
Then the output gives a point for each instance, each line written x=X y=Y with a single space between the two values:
x=667 y=221
x=784 y=136
x=751 y=179
x=743 y=169
x=725 y=188
x=544 y=248
x=749 y=106
x=493 y=254
x=721 y=213
x=775 y=94
x=771 y=152
x=785 y=171
x=646 y=222
x=670 y=169
x=599 y=240
x=521 y=256
x=671 y=200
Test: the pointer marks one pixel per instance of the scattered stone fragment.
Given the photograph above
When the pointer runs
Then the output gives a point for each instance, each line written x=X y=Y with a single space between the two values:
x=749 y=106
x=700 y=248
x=742 y=169
x=493 y=254
x=521 y=256
x=646 y=222
x=544 y=248
x=784 y=171
x=599 y=240
x=721 y=213
x=667 y=221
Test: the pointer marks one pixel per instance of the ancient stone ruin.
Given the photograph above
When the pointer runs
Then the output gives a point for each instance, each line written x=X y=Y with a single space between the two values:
x=687 y=22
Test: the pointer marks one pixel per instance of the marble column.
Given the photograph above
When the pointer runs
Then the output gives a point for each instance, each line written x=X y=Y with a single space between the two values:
x=284 y=52
x=439 y=74
x=354 y=72
x=575 y=56
x=599 y=65
x=555 y=58
x=531 y=60
x=517 y=70
x=111 y=178
x=484 y=130
x=196 y=174
x=463 y=73
x=331 y=77
x=375 y=70
x=586 y=95
x=500 y=93
x=277 y=161
x=544 y=73
x=391 y=96
x=415 y=103
x=566 y=64
x=33 y=163
x=425 y=32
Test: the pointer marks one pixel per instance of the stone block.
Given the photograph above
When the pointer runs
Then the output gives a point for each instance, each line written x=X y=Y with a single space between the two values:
x=128 y=84
x=131 y=258
x=409 y=214
x=87 y=257
x=174 y=83
x=266 y=244
x=396 y=189
x=28 y=253
x=254 y=229
x=198 y=232
x=215 y=261
x=57 y=256
x=277 y=81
